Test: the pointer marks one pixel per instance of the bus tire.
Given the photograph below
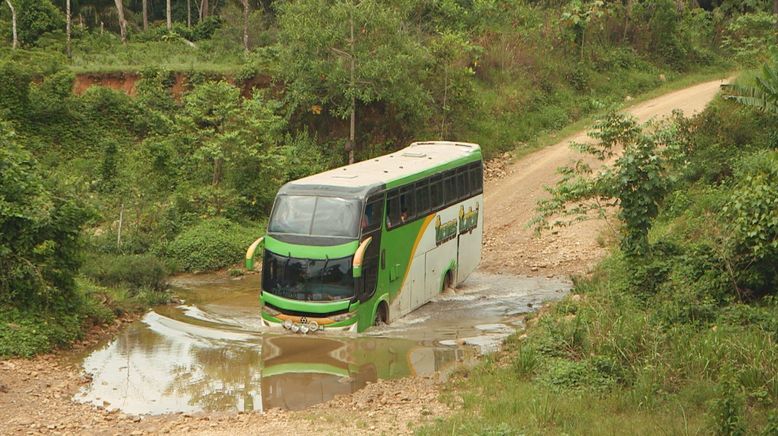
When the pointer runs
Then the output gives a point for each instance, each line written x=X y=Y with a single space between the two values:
x=381 y=314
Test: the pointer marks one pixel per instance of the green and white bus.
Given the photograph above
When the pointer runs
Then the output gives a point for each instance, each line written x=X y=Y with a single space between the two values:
x=370 y=242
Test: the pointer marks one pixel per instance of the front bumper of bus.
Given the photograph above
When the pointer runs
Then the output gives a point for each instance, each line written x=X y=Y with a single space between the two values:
x=308 y=325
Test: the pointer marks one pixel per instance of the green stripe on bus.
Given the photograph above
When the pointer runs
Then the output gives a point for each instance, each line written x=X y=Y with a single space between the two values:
x=310 y=251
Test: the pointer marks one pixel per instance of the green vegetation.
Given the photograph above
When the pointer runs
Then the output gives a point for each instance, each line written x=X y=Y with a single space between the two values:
x=676 y=331
x=174 y=166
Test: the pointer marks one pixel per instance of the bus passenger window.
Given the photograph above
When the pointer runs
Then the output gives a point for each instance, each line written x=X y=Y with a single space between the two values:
x=393 y=210
x=373 y=213
x=436 y=192
x=473 y=175
x=450 y=185
x=463 y=189
x=407 y=209
x=422 y=197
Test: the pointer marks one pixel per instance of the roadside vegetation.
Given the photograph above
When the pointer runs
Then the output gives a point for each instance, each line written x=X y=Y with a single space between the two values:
x=228 y=102
x=677 y=331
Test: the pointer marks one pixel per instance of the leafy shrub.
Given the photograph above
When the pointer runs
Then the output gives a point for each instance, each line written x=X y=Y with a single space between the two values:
x=36 y=17
x=211 y=244
x=728 y=409
x=137 y=271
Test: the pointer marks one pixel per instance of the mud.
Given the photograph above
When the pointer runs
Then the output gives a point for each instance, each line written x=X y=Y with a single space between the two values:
x=210 y=353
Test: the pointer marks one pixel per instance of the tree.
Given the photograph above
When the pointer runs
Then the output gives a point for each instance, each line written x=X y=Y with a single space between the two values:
x=245 y=24
x=13 y=23
x=579 y=15
x=122 y=21
x=39 y=231
x=338 y=55
x=224 y=126
x=68 y=17
x=635 y=183
x=204 y=13
x=145 y=14
x=763 y=95
x=35 y=18
x=169 y=14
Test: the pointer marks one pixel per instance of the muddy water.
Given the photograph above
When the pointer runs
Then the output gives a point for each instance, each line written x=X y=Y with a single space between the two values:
x=210 y=352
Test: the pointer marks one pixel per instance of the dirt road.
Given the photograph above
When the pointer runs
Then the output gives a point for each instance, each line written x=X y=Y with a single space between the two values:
x=510 y=201
x=35 y=395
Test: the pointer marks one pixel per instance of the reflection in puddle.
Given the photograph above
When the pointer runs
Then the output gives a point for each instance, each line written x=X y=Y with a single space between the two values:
x=210 y=353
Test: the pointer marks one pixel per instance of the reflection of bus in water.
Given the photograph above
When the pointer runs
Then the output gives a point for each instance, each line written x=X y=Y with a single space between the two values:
x=300 y=371
x=372 y=241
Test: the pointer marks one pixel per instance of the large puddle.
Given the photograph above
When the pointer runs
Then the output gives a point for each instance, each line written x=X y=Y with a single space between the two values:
x=210 y=353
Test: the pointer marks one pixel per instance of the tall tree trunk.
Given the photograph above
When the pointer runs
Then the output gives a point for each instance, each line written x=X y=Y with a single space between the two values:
x=168 y=14
x=627 y=16
x=69 y=18
x=203 y=9
x=352 y=126
x=245 y=24
x=122 y=21
x=188 y=14
x=145 y=14
x=13 y=23
x=217 y=171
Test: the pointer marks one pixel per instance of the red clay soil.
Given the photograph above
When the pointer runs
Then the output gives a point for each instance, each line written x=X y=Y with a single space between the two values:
x=126 y=81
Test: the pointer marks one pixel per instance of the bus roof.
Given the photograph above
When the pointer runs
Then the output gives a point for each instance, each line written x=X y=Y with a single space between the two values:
x=415 y=161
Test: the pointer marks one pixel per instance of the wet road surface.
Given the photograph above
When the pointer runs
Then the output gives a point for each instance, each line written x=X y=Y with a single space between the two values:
x=211 y=353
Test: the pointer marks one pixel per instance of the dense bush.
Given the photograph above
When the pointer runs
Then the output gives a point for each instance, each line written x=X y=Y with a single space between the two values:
x=211 y=244
x=137 y=271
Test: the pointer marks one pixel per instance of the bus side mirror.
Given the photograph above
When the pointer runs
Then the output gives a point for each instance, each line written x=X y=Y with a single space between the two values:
x=252 y=252
x=359 y=256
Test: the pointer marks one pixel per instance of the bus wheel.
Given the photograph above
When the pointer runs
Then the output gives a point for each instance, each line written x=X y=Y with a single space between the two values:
x=381 y=314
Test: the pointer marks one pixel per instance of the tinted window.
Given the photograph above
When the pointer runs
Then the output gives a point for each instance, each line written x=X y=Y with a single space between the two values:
x=306 y=279
x=374 y=210
x=407 y=204
x=436 y=192
x=450 y=186
x=393 y=209
x=422 y=197
x=463 y=183
x=315 y=216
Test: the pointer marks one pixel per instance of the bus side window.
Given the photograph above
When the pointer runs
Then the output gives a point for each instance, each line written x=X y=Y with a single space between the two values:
x=373 y=213
x=422 y=197
x=407 y=207
x=436 y=192
x=393 y=209
x=472 y=174
x=463 y=185
x=450 y=185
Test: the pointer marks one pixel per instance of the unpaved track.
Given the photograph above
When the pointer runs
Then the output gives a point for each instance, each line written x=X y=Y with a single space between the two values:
x=510 y=201
x=35 y=395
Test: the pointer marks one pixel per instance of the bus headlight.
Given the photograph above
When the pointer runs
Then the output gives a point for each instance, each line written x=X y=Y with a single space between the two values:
x=287 y=324
x=295 y=328
x=304 y=329
x=313 y=326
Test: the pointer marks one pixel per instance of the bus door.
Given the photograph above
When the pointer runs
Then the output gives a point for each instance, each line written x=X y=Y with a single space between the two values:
x=371 y=227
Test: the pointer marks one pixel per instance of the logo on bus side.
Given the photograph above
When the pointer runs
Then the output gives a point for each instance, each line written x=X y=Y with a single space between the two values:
x=446 y=231
x=468 y=220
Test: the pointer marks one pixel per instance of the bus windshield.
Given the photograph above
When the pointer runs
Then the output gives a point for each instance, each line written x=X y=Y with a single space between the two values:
x=315 y=216
x=306 y=279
